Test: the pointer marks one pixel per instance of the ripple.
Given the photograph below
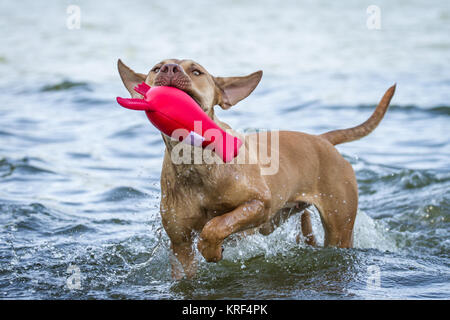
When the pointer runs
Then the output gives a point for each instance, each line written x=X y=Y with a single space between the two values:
x=130 y=132
x=116 y=221
x=66 y=85
x=121 y=193
x=299 y=107
x=437 y=109
x=75 y=229
x=9 y=167
x=34 y=217
x=370 y=177
x=412 y=179
x=5 y=133
x=79 y=155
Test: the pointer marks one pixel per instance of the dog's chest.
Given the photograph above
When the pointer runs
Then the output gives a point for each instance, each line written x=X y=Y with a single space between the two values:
x=214 y=190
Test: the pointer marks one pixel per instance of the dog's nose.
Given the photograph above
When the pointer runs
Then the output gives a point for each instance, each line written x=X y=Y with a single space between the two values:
x=170 y=68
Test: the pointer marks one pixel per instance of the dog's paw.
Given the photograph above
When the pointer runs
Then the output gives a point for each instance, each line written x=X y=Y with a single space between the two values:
x=211 y=250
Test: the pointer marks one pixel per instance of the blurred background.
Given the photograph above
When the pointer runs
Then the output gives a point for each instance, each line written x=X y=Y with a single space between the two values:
x=79 y=176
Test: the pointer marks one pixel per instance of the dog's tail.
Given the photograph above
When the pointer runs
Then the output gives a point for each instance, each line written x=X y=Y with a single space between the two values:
x=346 y=135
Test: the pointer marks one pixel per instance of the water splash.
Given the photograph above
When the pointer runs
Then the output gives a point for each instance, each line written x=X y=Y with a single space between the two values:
x=368 y=233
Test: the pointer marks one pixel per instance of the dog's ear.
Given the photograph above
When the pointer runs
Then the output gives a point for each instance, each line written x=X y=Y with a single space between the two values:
x=234 y=89
x=130 y=78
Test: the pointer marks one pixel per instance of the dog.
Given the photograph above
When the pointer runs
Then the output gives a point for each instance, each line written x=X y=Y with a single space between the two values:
x=217 y=200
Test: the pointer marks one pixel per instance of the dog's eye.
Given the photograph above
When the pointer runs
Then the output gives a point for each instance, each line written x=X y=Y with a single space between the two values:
x=196 y=73
x=156 y=69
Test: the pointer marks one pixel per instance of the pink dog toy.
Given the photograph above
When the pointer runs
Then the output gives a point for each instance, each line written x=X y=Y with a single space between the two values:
x=170 y=109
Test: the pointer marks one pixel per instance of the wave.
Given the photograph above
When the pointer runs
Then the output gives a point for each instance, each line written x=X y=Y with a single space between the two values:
x=8 y=167
x=28 y=217
x=66 y=85
x=406 y=179
x=438 y=109
x=316 y=104
x=120 y=194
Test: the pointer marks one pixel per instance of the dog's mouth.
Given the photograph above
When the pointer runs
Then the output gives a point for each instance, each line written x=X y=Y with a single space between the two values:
x=182 y=83
x=189 y=92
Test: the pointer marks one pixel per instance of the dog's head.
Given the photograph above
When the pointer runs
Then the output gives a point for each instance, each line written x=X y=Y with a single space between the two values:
x=192 y=78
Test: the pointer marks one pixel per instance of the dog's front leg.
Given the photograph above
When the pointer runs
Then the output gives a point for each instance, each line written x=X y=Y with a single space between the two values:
x=247 y=215
x=184 y=254
x=179 y=227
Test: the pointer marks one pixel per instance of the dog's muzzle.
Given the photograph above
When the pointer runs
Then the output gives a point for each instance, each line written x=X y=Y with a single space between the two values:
x=172 y=75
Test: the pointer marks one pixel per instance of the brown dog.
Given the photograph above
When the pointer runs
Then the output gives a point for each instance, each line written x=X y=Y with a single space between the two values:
x=217 y=200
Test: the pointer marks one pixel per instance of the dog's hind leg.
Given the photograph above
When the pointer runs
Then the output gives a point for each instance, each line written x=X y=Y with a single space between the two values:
x=338 y=216
x=281 y=216
x=307 y=229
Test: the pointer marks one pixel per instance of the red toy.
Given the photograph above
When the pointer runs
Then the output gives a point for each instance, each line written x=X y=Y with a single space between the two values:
x=170 y=109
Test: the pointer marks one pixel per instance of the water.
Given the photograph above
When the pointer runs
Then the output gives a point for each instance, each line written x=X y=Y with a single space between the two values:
x=79 y=176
